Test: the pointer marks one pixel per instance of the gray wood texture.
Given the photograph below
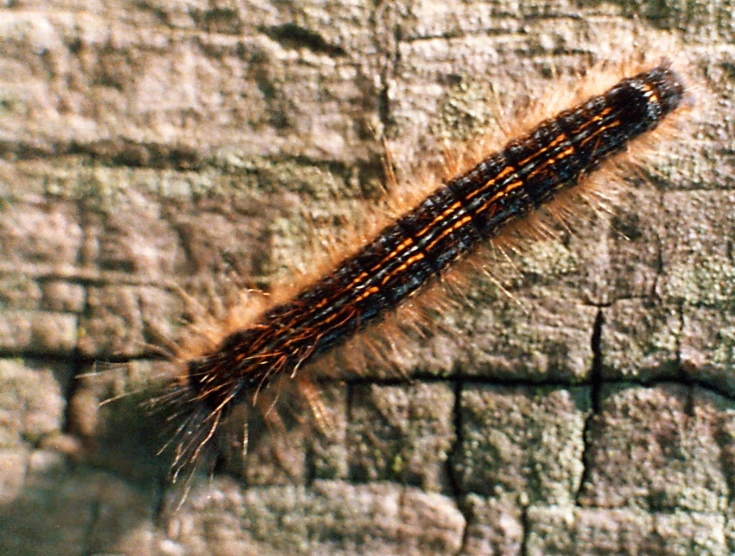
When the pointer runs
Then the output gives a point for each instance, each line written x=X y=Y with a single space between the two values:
x=161 y=144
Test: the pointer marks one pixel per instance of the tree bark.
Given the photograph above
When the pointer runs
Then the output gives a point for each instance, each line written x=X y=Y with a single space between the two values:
x=149 y=147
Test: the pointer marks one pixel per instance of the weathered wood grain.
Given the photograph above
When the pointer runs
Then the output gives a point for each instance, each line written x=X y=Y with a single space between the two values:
x=150 y=145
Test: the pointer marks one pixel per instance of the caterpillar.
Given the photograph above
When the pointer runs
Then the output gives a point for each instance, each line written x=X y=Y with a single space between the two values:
x=403 y=259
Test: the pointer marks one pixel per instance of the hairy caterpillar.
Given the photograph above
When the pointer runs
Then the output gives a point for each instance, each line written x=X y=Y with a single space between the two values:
x=406 y=256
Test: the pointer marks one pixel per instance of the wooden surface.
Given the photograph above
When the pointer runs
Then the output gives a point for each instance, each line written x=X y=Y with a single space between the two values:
x=151 y=145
